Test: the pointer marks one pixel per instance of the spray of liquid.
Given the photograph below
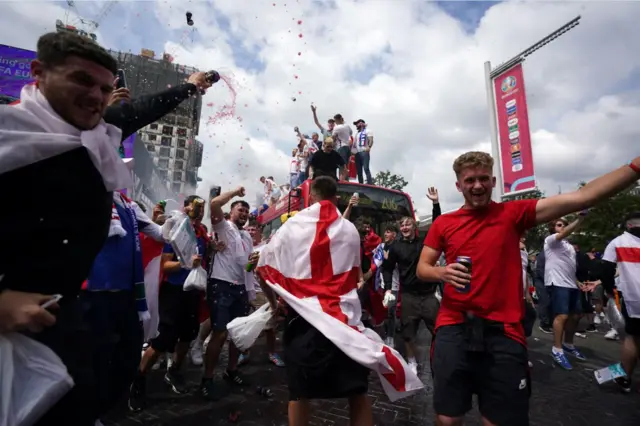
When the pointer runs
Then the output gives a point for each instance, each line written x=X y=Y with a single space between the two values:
x=228 y=110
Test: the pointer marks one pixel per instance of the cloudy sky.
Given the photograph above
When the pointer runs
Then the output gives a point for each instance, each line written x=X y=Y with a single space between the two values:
x=412 y=69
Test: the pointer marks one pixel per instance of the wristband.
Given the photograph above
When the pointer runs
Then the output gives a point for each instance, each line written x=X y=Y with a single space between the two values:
x=634 y=168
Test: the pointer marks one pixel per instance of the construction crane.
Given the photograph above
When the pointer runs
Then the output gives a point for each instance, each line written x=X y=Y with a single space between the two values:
x=88 y=26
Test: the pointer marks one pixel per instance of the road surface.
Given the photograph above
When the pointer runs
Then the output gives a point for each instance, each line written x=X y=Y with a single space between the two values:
x=559 y=397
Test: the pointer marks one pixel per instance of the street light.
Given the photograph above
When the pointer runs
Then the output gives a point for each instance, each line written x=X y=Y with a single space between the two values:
x=493 y=122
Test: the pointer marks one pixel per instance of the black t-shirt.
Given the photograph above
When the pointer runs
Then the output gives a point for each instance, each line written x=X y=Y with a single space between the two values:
x=325 y=164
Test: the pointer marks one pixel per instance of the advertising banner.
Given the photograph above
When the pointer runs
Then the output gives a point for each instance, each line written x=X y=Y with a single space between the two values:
x=513 y=131
x=15 y=72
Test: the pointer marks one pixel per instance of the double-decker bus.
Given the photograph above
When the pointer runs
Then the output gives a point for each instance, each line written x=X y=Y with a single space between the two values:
x=380 y=206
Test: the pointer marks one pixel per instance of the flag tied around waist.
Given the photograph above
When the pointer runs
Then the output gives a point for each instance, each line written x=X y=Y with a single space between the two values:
x=313 y=263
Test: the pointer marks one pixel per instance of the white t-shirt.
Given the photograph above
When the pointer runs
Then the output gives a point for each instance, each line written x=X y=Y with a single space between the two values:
x=624 y=250
x=524 y=257
x=362 y=140
x=229 y=264
x=341 y=134
x=560 y=263
x=294 y=167
x=302 y=158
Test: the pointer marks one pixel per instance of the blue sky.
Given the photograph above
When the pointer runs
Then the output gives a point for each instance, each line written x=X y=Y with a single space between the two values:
x=468 y=13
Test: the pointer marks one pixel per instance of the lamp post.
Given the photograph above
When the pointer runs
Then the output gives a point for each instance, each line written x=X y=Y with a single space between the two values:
x=491 y=100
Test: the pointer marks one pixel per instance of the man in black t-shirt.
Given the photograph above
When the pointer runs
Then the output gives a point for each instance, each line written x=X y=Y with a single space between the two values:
x=325 y=162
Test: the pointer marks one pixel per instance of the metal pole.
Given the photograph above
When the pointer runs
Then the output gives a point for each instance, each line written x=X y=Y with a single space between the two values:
x=493 y=129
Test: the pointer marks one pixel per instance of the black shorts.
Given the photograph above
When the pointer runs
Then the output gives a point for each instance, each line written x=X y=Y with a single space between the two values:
x=631 y=325
x=178 y=311
x=416 y=308
x=226 y=302
x=586 y=302
x=316 y=368
x=499 y=375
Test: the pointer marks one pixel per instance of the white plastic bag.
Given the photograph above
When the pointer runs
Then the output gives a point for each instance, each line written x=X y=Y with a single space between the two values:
x=32 y=380
x=614 y=315
x=244 y=331
x=173 y=219
x=196 y=280
x=184 y=242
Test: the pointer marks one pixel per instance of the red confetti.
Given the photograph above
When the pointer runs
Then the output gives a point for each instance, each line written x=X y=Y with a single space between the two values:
x=299 y=53
x=300 y=35
x=296 y=76
x=299 y=22
x=210 y=104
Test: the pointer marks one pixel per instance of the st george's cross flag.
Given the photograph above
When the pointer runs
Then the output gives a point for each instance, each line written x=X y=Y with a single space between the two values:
x=313 y=263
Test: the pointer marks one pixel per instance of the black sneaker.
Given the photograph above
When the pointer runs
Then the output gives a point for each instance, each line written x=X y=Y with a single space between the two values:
x=545 y=329
x=624 y=384
x=138 y=394
x=591 y=329
x=210 y=391
x=234 y=377
x=176 y=381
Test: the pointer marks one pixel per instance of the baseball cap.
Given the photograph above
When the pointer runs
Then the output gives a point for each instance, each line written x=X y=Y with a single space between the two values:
x=359 y=120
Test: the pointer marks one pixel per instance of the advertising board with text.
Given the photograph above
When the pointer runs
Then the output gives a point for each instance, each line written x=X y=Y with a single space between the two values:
x=514 y=135
x=15 y=71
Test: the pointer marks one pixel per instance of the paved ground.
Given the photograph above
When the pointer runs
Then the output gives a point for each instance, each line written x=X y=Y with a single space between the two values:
x=559 y=397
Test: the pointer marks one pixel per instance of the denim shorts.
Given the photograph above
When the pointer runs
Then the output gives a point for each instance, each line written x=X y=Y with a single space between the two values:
x=564 y=301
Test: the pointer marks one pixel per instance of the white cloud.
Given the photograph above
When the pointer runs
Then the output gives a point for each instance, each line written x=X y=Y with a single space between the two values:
x=425 y=101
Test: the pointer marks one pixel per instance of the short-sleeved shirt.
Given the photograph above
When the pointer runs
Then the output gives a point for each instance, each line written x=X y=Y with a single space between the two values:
x=491 y=238
x=624 y=251
x=341 y=134
x=231 y=262
x=362 y=140
x=178 y=278
x=560 y=263
x=325 y=164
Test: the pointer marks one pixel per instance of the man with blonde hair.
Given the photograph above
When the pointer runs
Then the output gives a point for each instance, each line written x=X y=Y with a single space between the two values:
x=480 y=344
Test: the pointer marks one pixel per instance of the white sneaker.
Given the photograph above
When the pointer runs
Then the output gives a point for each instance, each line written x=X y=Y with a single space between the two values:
x=530 y=364
x=612 y=335
x=161 y=360
x=597 y=320
x=169 y=360
x=196 y=352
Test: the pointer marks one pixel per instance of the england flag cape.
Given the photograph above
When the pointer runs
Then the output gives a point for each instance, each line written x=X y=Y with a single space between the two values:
x=313 y=263
x=31 y=131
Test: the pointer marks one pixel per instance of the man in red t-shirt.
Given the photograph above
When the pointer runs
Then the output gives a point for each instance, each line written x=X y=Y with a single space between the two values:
x=480 y=345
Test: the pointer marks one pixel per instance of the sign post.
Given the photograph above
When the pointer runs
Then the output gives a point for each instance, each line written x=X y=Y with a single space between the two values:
x=509 y=121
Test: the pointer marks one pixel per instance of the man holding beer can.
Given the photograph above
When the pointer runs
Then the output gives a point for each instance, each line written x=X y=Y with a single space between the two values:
x=480 y=344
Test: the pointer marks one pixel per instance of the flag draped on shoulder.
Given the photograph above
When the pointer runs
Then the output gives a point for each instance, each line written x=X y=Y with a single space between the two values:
x=31 y=131
x=313 y=263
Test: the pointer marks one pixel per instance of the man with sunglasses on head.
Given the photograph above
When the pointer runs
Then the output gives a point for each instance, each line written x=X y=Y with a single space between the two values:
x=562 y=285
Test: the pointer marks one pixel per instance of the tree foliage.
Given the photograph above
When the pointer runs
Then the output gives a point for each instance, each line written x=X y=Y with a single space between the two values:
x=386 y=179
x=604 y=221
x=534 y=238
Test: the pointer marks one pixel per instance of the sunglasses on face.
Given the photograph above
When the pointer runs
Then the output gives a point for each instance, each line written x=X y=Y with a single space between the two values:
x=559 y=225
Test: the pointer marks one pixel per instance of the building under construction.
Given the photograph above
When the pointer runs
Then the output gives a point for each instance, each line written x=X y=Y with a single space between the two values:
x=171 y=141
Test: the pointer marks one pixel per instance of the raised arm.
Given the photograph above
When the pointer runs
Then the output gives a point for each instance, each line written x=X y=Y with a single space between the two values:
x=315 y=118
x=216 y=204
x=569 y=229
x=598 y=189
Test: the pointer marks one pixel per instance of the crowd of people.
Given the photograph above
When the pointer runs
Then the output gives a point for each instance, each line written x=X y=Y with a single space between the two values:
x=334 y=151
x=466 y=281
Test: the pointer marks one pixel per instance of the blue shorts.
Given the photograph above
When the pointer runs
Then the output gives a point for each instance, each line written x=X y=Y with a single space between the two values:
x=564 y=301
x=226 y=302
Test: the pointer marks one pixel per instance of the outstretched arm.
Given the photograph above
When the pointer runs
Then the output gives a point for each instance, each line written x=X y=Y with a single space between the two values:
x=598 y=189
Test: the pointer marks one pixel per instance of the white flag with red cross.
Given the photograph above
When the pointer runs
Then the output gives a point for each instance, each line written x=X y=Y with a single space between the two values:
x=313 y=263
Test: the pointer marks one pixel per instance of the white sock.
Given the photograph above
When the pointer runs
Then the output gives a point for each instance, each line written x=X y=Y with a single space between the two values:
x=556 y=350
x=412 y=360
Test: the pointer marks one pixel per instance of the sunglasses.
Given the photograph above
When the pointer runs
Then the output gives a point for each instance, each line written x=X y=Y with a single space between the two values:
x=559 y=224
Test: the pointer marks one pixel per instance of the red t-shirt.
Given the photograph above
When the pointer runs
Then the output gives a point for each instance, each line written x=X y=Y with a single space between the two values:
x=490 y=237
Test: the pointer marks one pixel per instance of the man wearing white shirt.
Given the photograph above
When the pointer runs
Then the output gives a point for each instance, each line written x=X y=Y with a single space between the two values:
x=362 y=149
x=561 y=282
x=294 y=169
x=227 y=295
x=342 y=140
x=623 y=253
